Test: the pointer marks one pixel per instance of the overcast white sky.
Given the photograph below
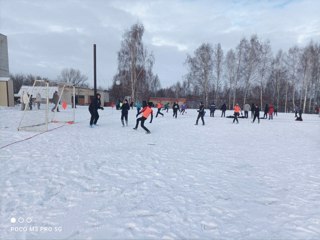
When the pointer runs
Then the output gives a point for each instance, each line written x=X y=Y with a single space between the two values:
x=45 y=36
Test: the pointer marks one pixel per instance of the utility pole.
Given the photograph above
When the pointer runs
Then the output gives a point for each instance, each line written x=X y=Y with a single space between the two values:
x=94 y=70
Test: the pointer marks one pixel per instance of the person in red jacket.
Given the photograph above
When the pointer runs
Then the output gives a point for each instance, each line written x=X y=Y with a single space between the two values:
x=146 y=112
x=159 y=106
x=271 y=110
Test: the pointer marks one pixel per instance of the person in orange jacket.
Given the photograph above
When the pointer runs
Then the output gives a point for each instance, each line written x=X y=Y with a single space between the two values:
x=159 y=106
x=236 y=114
x=146 y=112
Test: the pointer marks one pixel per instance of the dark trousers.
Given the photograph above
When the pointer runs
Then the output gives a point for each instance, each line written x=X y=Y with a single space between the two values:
x=236 y=117
x=270 y=116
x=223 y=114
x=211 y=113
x=94 y=116
x=159 y=109
x=246 y=114
x=175 y=113
x=124 y=116
x=55 y=106
x=265 y=115
x=254 y=118
x=142 y=120
x=202 y=119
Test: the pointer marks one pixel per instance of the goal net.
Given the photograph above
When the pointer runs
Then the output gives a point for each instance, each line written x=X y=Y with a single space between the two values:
x=62 y=108
x=43 y=104
x=34 y=105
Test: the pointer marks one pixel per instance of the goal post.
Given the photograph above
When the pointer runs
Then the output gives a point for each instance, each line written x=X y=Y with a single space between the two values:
x=42 y=104
x=63 y=110
x=35 y=105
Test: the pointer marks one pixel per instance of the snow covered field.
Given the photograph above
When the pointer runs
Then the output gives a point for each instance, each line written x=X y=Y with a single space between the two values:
x=218 y=181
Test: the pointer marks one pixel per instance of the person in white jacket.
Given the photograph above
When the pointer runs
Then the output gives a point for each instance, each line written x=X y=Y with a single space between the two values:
x=25 y=99
x=246 y=109
x=38 y=100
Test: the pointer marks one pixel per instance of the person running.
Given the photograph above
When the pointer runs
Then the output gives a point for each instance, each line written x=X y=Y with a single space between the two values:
x=175 y=108
x=93 y=109
x=166 y=107
x=159 y=106
x=201 y=113
x=146 y=112
x=223 y=110
x=236 y=113
x=124 y=112
x=212 y=109
x=183 y=108
x=256 y=114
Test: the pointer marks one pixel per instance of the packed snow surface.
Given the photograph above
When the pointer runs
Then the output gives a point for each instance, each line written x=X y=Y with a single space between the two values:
x=218 y=181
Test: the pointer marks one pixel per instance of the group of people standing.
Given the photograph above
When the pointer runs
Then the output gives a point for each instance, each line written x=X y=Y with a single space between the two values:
x=28 y=100
x=254 y=108
x=270 y=110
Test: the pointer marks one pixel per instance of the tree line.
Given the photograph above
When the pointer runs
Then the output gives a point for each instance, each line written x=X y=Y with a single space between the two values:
x=249 y=73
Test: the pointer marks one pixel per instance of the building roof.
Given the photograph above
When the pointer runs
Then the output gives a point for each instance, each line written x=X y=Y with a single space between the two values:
x=35 y=90
x=4 y=79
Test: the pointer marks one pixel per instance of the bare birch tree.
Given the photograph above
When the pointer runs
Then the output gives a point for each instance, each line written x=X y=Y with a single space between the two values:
x=292 y=64
x=201 y=70
x=264 y=68
x=218 y=68
x=250 y=63
x=73 y=76
x=230 y=73
x=134 y=63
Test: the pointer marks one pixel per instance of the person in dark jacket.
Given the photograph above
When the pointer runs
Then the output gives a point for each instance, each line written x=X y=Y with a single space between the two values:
x=223 y=110
x=166 y=107
x=93 y=109
x=30 y=102
x=252 y=110
x=55 y=100
x=201 y=113
x=299 y=118
x=256 y=114
x=266 y=110
x=212 y=109
x=124 y=112
x=175 y=108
